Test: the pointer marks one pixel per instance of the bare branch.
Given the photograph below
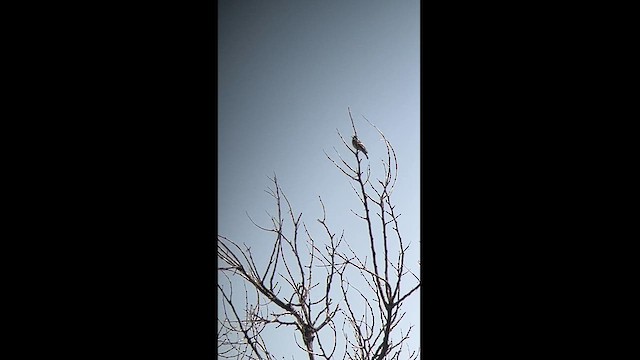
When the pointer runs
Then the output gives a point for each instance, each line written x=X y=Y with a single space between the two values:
x=297 y=286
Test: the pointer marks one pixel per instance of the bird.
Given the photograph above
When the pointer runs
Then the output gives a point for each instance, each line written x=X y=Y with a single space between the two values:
x=359 y=145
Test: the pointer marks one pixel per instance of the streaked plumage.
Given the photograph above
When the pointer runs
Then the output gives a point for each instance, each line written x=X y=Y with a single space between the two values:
x=358 y=145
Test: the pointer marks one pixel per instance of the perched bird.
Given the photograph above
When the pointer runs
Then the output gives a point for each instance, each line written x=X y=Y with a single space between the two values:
x=359 y=145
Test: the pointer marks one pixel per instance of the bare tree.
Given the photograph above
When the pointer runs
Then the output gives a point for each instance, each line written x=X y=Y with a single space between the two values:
x=308 y=283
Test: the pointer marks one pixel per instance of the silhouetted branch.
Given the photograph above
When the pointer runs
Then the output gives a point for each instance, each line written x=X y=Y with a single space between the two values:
x=299 y=280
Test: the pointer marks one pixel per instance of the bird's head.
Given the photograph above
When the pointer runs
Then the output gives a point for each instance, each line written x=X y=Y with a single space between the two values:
x=355 y=137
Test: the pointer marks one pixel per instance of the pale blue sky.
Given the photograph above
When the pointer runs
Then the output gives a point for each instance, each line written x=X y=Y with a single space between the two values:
x=287 y=71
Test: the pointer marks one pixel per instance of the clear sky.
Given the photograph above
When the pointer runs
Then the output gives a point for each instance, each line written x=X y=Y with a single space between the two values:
x=287 y=71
